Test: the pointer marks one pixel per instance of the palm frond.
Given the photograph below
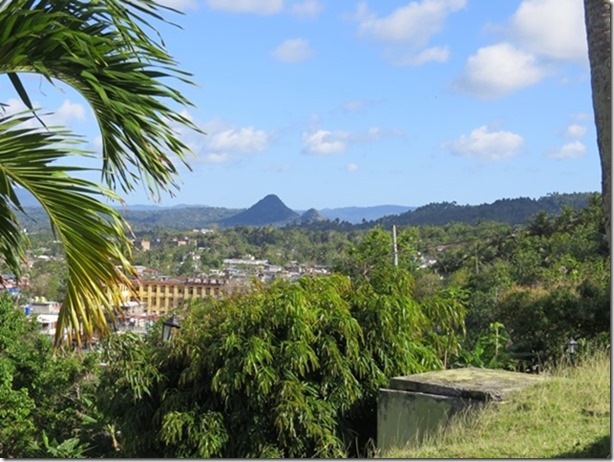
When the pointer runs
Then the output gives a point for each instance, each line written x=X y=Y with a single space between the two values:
x=103 y=49
x=93 y=234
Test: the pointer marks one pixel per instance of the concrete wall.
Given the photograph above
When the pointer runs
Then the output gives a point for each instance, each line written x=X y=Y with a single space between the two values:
x=418 y=405
x=406 y=417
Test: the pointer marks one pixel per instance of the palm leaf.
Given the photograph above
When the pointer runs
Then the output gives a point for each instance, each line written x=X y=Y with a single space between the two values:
x=92 y=233
x=104 y=50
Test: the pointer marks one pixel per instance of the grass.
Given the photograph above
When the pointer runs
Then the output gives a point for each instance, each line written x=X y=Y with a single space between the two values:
x=567 y=416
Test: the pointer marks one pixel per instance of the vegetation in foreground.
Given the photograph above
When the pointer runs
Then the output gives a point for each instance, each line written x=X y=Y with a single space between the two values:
x=293 y=369
x=568 y=416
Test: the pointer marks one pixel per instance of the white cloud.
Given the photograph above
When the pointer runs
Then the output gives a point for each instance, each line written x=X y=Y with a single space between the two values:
x=498 y=70
x=241 y=140
x=351 y=168
x=485 y=144
x=214 y=158
x=69 y=111
x=553 y=29
x=13 y=106
x=575 y=130
x=224 y=142
x=180 y=5
x=354 y=106
x=293 y=51
x=415 y=22
x=308 y=9
x=262 y=7
x=569 y=151
x=324 y=142
x=435 y=54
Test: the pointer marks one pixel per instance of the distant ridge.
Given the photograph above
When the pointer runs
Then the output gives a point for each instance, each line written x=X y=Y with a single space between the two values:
x=512 y=211
x=272 y=211
x=358 y=214
x=269 y=210
x=310 y=216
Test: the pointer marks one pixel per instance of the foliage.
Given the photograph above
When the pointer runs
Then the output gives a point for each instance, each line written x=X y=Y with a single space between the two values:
x=545 y=282
x=286 y=370
x=47 y=279
x=512 y=211
x=102 y=50
x=491 y=350
x=69 y=449
x=40 y=390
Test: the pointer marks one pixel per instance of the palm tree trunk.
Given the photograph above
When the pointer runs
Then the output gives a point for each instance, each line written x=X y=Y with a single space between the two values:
x=597 y=14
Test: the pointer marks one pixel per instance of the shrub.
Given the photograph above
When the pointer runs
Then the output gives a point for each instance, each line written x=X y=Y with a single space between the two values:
x=288 y=370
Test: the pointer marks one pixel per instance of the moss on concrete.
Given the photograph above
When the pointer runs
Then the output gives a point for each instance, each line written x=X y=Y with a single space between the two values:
x=471 y=382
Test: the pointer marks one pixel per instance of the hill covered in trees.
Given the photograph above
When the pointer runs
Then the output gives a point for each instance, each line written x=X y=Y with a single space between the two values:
x=512 y=211
x=271 y=211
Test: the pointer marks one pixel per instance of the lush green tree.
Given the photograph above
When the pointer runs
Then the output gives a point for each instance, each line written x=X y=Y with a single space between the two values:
x=545 y=283
x=40 y=391
x=104 y=51
x=285 y=370
x=47 y=279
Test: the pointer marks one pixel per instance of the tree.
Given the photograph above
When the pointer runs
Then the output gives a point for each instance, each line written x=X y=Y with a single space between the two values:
x=104 y=51
x=44 y=395
x=290 y=369
x=597 y=15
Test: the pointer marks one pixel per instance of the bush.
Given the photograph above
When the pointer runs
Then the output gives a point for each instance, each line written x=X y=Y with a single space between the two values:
x=288 y=370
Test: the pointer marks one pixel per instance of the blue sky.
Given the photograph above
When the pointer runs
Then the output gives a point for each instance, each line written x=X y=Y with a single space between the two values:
x=332 y=103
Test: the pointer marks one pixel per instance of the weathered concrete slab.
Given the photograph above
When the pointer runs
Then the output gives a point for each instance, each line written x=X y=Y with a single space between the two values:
x=470 y=382
x=418 y=405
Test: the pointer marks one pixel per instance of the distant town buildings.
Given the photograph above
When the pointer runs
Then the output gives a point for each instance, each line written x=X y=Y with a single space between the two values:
x=160 y=296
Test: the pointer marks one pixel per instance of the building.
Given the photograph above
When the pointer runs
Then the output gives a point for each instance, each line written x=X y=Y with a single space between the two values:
x=164 y=295
x=46 y=313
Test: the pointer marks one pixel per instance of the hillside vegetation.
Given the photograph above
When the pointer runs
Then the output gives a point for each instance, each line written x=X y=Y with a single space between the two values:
x=568 y=416
x=272 y=211
x=292 y=368
x=512 y=211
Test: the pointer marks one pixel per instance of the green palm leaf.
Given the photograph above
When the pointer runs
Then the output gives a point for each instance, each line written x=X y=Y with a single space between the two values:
x=93 y=234
x=104 y=50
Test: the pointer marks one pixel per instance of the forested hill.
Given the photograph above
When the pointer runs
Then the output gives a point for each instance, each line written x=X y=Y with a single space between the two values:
x=512 y=211
x=267 y=211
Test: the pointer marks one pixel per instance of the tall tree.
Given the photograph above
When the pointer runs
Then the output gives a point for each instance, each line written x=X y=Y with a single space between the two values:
x=104 y=50
x=597 y=15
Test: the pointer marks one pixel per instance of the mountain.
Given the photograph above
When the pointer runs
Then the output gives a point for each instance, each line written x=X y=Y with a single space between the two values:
x=356 y=215
x=272 y=211
x=513 y=211
x=267 y=211
x=310 y=216
x=175 y=218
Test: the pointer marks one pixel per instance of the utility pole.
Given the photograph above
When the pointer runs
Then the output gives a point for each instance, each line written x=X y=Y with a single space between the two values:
x=395 y=253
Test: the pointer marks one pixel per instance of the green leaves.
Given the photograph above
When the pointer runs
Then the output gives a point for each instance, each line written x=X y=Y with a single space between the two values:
x=290 y=369
x=104 y=50
x=93 y=233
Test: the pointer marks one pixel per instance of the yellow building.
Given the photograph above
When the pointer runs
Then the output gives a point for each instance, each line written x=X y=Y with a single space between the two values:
x=162 y=296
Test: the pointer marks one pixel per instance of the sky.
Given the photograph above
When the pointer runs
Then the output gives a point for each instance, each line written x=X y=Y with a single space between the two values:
x=334 y=103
